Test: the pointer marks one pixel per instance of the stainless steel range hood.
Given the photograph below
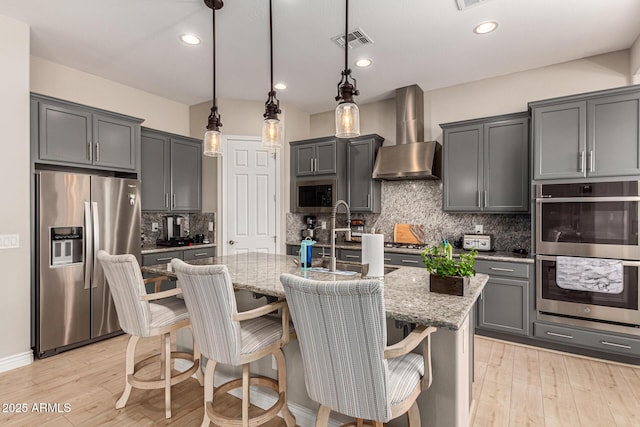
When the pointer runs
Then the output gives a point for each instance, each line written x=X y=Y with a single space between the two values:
x=410 y=158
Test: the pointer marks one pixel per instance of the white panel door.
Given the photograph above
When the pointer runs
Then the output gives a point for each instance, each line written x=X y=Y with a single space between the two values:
x=251 y=197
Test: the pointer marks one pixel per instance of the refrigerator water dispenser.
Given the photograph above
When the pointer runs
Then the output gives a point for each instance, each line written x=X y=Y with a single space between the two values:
x=66 y=246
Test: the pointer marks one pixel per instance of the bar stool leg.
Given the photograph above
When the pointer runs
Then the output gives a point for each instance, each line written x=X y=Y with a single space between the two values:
x=167 y=374
x=163 y=358
x=322 y=419
x=208 y=390
x=129 y=368
x=245 y=395
x=289 y=419
x=414 y=415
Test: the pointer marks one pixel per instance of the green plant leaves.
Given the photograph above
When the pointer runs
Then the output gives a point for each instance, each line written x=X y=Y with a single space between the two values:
x=437 y=261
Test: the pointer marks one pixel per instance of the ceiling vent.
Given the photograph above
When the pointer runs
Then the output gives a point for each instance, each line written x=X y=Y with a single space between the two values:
x=464 y=4
x=357 y=38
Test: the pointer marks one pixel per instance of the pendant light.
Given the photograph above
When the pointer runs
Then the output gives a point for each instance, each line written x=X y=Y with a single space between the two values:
x=347 y=112
x=213 y=138
x=272 y=126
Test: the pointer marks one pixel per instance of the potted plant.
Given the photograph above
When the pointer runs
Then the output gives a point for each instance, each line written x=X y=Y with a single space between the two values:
x=448 y=276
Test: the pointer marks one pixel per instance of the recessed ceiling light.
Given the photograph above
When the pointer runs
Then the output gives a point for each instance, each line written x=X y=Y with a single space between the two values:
x=280 y=86
x=485 y=27
x=190 y=39
x=363 y=62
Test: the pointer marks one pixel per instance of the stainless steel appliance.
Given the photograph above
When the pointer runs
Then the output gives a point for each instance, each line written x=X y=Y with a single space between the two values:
x=310 y=231
x=77 y=215
x=173 y=227
x=315 y=196
x=588 y=220
x=481 y=242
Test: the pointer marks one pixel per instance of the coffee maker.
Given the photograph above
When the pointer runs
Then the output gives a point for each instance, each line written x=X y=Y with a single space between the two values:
x=173 y=227
x=310 y=231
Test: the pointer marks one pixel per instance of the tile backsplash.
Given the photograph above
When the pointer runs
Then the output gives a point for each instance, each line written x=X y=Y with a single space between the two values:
x=420 y=202
x=194 y=223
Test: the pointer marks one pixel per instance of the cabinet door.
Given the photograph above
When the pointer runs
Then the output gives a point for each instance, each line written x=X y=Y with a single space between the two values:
x=115 y=142
x=613 y=136
x=305 y=159
x=186 y=175
x=504 y=306
x=64 y=134
x=360 y=166
x=506 y=171
x=156 y=172
x=326 y=157
x=463 y=168
x=559 y=141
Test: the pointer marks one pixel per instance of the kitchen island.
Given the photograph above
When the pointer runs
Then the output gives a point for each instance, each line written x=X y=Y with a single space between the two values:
x=407 y=299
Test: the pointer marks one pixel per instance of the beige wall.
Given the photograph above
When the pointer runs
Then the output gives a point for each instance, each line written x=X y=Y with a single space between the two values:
x=498 y=95
x=14 y=175
x=49 y=78
x=244 y=118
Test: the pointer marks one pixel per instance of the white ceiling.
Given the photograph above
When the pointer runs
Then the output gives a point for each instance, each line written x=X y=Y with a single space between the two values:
x=428 y=42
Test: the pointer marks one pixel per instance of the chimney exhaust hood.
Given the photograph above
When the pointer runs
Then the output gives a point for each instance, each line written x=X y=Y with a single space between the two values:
x=410 y=158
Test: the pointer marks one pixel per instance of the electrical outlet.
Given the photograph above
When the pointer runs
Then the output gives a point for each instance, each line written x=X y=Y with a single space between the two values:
x=154 y=226
x=479 y=229
x=210 y=225
x=323 y=225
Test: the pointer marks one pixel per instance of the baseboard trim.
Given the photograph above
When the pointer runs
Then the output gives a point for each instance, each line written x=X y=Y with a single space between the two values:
x=16 y=361
x=305 y=417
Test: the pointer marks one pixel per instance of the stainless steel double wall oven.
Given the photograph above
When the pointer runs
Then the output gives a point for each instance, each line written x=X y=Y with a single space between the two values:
x=592 y=220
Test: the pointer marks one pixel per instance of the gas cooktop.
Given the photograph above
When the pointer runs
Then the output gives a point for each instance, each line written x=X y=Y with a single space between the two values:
x=404 y=245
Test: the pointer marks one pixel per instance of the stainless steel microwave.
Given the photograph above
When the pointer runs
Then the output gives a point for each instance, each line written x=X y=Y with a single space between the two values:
x=315 y=196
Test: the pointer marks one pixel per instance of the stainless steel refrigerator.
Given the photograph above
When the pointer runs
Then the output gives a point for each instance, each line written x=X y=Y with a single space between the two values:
x=77 y=215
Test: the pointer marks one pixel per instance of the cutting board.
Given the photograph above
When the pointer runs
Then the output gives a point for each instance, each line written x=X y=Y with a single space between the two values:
x=408 y=233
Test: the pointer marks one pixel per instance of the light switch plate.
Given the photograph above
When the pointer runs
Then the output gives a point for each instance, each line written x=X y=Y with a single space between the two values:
x=210 y=225
x=9 y=241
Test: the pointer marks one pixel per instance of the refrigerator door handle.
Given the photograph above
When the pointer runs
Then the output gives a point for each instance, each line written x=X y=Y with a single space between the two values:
x=96 y=238
x=88 y=252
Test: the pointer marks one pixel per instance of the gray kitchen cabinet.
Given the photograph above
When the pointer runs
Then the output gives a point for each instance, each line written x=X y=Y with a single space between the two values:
x=406 y=260
x=503 y=305
x=591 y=339
x=486 y=165
x=171 y=172
x=353 y=255
x=314 y=157
x=589 y=135
x=70 y=134
x=197 y=253
x=363 y=192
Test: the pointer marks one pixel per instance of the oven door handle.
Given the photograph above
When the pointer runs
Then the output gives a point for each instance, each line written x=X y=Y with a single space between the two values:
x=548 y=199
x=625 y=262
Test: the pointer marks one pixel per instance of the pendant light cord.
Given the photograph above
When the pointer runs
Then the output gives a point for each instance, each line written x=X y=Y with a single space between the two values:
x=271 y=40
x=214 y=54
x=346 y=39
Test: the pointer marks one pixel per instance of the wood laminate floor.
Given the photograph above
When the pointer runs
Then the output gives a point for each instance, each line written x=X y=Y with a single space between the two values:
x=515 y=386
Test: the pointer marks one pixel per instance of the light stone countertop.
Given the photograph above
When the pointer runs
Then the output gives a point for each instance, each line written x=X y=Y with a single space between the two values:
x=487 y=256
x=153 y=249
x=406 y=290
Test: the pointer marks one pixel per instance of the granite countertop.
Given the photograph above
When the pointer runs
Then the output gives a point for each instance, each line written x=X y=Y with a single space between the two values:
x=153 y=249
x=406 y=290
x=489 y=256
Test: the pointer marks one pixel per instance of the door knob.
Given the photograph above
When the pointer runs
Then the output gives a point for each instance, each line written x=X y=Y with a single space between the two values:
x=231 y=242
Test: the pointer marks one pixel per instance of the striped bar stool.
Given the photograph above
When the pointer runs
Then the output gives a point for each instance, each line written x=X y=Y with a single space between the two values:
x=143 y=315
x=341 y=328
x=225 y=336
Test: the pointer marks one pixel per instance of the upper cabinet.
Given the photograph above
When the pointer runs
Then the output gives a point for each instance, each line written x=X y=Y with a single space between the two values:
x=486 y=165
x=314 y=157
x=171 y=172
x=591 y=135
x=363 y=192
x=69 y=134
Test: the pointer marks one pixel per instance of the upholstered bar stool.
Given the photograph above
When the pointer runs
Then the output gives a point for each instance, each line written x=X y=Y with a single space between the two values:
x=143 y=315
x=341 y=328
x=225 y=336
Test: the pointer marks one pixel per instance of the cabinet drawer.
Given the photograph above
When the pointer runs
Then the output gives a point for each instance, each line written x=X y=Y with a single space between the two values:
x=580 y=338
x=199 y=253
x=499 y=268
x=407 y=260
x=160 y=257
x=350 y=255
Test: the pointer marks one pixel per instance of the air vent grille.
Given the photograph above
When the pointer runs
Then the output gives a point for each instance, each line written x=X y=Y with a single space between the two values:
x=357 y=38
x=464 y=4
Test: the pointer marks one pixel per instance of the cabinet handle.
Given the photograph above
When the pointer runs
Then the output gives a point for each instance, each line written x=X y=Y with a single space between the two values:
x=173 y=201
x=352 y=256
x=163 y=259
x=166 y=200
x=386 y=259
x=590 y=154
x=201 y=254
x=90 y=149
x=501 y=269
x=553 y=334
x=484 y=199
x=479 y=202
x=312 y=164
x=613 y=344
x=97 y=151
x=369 y=200
x=581 y=160
x=410 y=261
x=315 y=167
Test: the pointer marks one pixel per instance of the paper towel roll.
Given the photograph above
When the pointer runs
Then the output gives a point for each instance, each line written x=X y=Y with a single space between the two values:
x=373 y=254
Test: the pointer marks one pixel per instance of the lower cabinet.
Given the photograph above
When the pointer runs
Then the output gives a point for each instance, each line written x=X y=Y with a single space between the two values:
x=587 y=338
x=165 y=257
x=503 y=305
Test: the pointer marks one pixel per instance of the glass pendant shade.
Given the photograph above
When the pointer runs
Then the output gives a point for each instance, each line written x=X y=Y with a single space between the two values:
x=272 y=134
x=347 y=120
x=212 y=143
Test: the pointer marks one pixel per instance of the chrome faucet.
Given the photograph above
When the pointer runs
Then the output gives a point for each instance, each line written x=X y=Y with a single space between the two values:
x=334 y=230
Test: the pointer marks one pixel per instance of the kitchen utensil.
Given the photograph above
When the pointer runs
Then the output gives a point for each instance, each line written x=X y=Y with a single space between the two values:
x=408 y=233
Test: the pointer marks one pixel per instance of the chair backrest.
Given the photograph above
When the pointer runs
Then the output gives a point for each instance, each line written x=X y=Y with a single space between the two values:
x=127 y=285
x=341 y=328
x=208 y=294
